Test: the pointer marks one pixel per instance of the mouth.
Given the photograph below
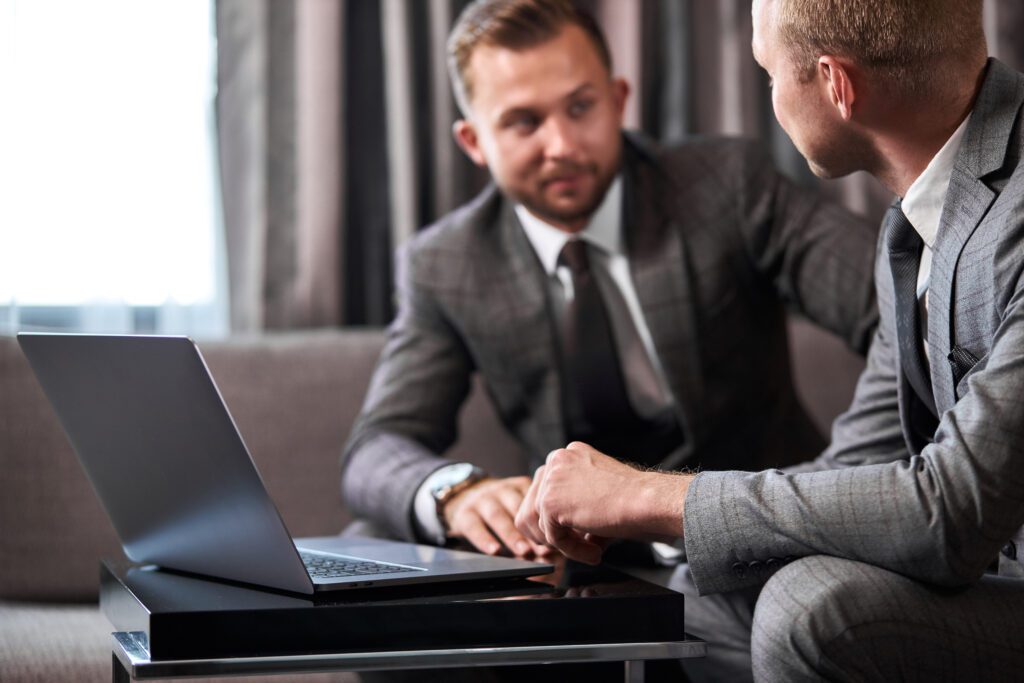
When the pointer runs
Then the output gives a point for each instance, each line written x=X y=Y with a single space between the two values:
x=564 y=181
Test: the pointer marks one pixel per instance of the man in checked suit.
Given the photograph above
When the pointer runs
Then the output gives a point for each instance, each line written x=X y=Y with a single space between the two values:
x=896 y=555
x=693 y=250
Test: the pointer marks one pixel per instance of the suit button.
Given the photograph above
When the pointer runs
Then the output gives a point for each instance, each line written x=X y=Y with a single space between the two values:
x=788 y=558
x=757 y=568
x=740 y=570
x=1010 y=550
x=772 y=564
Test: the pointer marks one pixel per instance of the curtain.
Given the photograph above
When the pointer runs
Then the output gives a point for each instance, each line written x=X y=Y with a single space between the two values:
x=334 y=121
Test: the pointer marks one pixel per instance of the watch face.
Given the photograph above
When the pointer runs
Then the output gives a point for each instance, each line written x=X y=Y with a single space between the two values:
x=460 y=472
x=451 y=476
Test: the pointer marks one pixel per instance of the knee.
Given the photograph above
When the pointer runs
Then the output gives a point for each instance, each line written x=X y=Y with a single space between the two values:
x=804 y=607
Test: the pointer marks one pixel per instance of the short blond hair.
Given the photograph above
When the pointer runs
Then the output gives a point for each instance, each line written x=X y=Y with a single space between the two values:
x=900 y=40
x=516 y=25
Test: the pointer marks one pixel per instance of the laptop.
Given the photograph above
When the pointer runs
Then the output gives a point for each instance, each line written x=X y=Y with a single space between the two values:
x=167 y=461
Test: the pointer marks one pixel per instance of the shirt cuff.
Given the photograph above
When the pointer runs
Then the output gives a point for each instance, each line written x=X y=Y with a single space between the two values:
x=424 y=508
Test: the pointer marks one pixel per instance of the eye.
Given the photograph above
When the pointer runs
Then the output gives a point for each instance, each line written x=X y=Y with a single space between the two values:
x=523 y=124
x=580 y=107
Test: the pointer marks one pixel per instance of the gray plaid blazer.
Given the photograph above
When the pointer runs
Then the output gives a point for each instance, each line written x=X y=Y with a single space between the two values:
x=940 y=514
x=718 y=243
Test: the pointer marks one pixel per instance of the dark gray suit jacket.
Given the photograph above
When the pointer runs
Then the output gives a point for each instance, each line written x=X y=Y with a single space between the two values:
x=940 y=515
x=717 y=241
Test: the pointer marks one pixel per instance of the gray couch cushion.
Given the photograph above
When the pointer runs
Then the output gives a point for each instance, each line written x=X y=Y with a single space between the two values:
x=52 y=528
x=72 y=643
x=825 y=372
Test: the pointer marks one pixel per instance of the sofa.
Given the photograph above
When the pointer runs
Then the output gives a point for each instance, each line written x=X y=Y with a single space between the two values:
x=294 y=397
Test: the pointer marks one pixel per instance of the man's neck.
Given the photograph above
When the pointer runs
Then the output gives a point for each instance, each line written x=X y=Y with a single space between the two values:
x=914 y=133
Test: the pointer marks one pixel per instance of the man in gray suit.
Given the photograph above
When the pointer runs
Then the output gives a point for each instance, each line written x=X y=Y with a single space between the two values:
x=671 y=266
x=894 y=556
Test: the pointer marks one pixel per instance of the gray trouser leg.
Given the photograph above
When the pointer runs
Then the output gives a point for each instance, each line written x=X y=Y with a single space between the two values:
x=824 y=618
x=724 y=622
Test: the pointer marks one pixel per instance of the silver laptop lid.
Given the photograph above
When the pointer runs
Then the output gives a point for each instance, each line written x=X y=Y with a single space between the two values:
x=161 y=449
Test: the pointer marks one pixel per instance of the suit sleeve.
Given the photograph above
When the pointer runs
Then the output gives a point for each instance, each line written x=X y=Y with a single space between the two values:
x=939 y=517
x=410 y=413
x=818 y=256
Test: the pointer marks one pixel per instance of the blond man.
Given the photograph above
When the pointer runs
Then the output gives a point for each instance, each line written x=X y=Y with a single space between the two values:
x=867 y=569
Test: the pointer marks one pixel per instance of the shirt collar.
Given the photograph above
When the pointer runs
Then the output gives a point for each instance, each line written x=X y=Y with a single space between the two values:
x=926 y=196
x=604 y=229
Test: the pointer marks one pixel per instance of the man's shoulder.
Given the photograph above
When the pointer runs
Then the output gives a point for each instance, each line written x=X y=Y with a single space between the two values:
x=456 y=230
x=700 y=159
x=444 y=249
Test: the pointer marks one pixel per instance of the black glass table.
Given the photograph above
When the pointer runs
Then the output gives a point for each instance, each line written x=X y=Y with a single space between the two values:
x=170 y=625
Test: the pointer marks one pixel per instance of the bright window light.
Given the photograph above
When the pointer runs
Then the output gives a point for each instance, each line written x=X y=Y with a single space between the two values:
x=108 y=190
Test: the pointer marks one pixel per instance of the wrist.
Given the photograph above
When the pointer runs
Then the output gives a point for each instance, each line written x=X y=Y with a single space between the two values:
x=658 y=504
x=450 y=509
x=450 y=487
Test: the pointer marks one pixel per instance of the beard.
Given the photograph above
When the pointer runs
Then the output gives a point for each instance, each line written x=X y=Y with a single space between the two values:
x=572 y=206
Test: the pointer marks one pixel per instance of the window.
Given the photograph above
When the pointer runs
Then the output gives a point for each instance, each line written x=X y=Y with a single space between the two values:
x=109 y=214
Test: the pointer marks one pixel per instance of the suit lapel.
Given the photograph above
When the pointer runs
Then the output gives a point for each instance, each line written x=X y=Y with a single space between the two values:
x=518 y=278
x=656 y=257
x=968 y=199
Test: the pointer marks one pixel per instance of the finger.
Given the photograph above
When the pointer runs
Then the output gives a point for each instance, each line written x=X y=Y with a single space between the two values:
x=472 y=528
x=573 y=545
x=551 y=456
x=520 y=484
x=527 y=520
x=547 y=552
x=512 y=499
x=500 y=521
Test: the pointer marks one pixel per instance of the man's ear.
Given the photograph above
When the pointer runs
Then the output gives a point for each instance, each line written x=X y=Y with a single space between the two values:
x=620 y=94
x=467 y=140
x=835 y=76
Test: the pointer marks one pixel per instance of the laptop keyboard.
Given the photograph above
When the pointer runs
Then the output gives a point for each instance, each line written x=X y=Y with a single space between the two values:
x=334 y=566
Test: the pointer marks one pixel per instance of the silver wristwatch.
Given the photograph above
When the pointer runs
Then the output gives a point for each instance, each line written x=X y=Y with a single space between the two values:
x=453 y=480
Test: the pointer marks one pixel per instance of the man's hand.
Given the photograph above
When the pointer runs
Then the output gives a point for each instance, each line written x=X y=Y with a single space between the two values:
x=581 y=496
x=484 y=515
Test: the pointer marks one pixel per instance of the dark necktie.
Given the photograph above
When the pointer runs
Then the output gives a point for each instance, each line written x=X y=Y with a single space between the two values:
x=592 y=364
x=904 y=245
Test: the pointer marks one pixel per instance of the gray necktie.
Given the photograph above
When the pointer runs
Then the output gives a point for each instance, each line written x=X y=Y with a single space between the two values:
x=904 y=245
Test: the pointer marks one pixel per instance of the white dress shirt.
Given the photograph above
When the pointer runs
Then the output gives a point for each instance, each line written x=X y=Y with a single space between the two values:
x=923 y=204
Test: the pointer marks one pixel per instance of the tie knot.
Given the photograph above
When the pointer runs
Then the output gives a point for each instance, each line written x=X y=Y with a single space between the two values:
x=899 y=232
x=574 y=255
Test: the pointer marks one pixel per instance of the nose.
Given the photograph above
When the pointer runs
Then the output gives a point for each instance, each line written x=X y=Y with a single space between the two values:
x=560 y=138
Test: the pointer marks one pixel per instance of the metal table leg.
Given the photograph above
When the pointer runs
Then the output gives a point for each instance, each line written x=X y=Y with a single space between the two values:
x=119 y=672
x=634 y=671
